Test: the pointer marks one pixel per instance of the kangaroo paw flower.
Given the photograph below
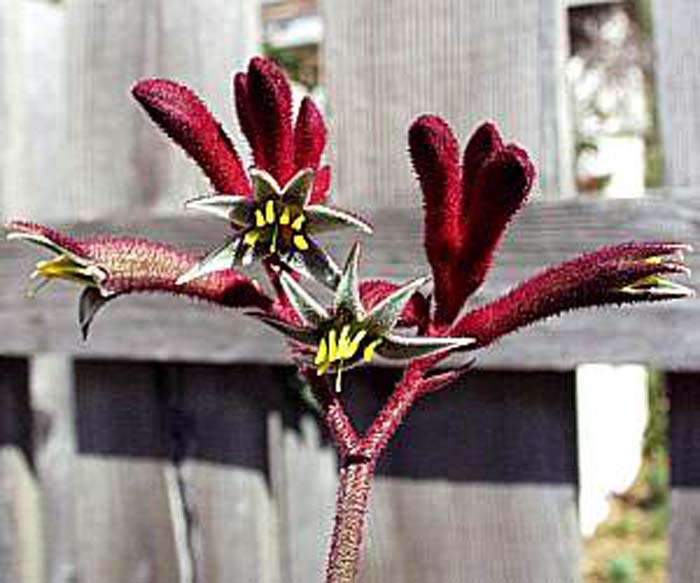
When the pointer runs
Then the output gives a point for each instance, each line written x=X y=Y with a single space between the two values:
x=620 y=274
x=111 y=266
x=349 y=334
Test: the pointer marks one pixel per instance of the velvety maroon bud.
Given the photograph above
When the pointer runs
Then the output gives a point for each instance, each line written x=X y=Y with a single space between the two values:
x=622 y=274
x=485 y=141
x=416 y=312
x=322 y=184
x=309 y=135
x=245 y=117
x=500 y=189
x=435 y=156
x=270 y=102
x=187 y=121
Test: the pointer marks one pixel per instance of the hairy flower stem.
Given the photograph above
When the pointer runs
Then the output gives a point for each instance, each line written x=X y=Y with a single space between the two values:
x=351 y=509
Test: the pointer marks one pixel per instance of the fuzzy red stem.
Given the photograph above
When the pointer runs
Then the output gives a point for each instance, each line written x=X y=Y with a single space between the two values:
x=351 y=509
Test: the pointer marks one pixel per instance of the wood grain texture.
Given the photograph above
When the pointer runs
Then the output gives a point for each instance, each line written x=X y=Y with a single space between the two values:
x=118 y=161
x=151 y=327
x=52 y=396
x=480 y=484
x=124 y=530
x=677 y=70
x=684 y=428
x=223 y=445
x=466 y=60
x=20 y=521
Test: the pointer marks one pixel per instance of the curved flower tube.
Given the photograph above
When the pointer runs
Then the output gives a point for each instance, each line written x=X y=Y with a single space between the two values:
x=108 y=267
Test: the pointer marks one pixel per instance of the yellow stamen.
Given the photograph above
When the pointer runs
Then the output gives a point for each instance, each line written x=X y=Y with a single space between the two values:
x=369 y=349
x=270 y=212
x=251 y=238
x=298 y=222
x=63 y=267
x=321 y=353
x=344 y=341
x=286 y=216
x=259 y=218
x=321 y=370
x=300 y=242
x=332 y=346
x=355 y=344
x=654 y=260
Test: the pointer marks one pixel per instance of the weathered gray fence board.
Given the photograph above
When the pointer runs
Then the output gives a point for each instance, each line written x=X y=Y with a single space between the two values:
x=676 y=23
x=479 y=484
x=118 y=161
x=223 y=415
x=20 y=539
x=467 y=60
x=684 y=399
x=545 y=233
x=52 y=395
x=124 y=530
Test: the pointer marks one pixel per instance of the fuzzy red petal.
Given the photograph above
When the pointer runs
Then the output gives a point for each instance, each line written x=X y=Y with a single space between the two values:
x=245 y=117
x=594 y=279
x=309 y=135
x=270 y=103
x=187 y=121
x=435 y=156
x=501 y=187
x=485 y=141
x=322 y=184
x=416 y=312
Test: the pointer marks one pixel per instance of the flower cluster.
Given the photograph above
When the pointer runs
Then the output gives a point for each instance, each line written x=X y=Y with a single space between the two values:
x=275 y=211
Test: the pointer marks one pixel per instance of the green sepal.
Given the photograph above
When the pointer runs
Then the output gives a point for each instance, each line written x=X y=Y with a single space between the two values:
x=91 y=301
x=396 y=347
x=217 y=260
x=347 y=293
x=306 y=336
x=232 y=208
x=298 y=189
x=265 y=187
x=306 y=306
x=316 y=264
x=657 y=285
x=384 y=316
x=326 y=218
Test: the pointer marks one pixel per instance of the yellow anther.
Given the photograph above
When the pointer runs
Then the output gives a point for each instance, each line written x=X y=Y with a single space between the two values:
x=323 y=368
x=251 y=238
x=270 y=212
x=369 y=349
x=300 y=242
x=355 y=344
x=321 y=353
x=344 y=342
x=298 y=222
x=332 y=346
x=654 y=260
x=286 y=216
x=259 y=218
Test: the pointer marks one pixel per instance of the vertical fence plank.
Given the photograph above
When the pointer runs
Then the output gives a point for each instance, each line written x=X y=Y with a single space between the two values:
x=124 y=526
x=467 y=60
x=52 y=396
x=223 y=436
x=119 y=162
x=303 y=475
x=684 y=398
x=20 y=535
x=676 y=24
x=479 y=484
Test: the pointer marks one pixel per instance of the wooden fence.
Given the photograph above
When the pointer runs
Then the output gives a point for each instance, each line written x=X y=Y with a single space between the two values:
x=174 y=446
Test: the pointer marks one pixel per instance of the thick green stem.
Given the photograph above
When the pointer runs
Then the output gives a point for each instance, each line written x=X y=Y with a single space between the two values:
x=351 y=509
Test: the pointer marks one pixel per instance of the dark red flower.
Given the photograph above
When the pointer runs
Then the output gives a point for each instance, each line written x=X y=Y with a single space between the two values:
x=467 y=207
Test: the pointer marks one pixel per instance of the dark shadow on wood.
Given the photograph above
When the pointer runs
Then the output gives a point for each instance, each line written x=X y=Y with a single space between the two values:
x=15 y=408
x=684 y=420
x=493 y=427
x=490 y=427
